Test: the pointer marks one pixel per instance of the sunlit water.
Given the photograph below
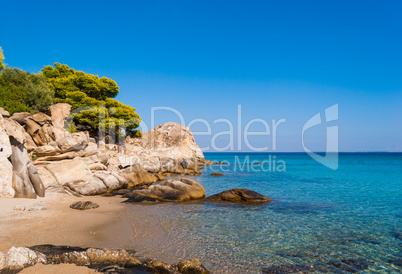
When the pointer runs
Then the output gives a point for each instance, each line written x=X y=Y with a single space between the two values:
x=345 y=219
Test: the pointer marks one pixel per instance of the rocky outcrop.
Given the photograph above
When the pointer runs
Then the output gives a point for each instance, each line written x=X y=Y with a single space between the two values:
x=26 y=181
x=6 y=168
x=168 y=191
x=168 y=148
x=74 y=161
x=103 y=260
x=239 y=195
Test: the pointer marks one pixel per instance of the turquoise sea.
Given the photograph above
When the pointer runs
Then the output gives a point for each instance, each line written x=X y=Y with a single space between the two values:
x=321 y=220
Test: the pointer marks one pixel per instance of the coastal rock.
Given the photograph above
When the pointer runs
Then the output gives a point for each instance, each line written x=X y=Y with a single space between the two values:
x=6 y=168
x=76 y=175
x=84 y=205
x=111 y=180
x=70 y=141
x=19 y=257
x=29 y=142
x=4 y=113
x=14 y=130
x=26 y=181
x=46 y=150
x=41 y=118
x=136 y=176
x=113 y=260
x=97 y=166
x=20 y=117
x=35 y=179
x=59 y=113
x=69 y=171
x=92 y=186
x=238 y=195
x=47 y=178
x=168 y=191
x=217 y=174
x=169 y=140
x=193 y=266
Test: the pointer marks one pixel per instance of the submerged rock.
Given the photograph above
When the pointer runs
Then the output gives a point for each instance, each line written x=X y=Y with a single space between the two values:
x=238 y=195
x=192 y=266
x=84 y=205
x=216 y=174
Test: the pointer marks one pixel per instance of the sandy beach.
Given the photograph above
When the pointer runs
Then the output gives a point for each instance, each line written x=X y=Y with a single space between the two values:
x=58 y=224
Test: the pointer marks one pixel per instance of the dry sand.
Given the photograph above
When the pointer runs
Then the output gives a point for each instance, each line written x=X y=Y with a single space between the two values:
x=58 y=224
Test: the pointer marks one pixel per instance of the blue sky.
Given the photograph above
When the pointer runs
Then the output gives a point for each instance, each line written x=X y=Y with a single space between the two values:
x=278 y=59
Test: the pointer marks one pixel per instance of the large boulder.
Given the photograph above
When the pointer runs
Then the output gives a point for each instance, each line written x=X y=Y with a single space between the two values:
x=6 y=168
x=239 y=195
x=169 y=140
x=169 y=191
x=26 y=180
x=59 y=113
x=76 y=175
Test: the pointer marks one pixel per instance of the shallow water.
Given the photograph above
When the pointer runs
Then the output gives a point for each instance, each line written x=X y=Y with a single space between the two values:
x=340 y=221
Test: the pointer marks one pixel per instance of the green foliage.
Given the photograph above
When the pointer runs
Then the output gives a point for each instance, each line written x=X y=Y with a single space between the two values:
x=63 y=79
x=23 y=91
x=71 y=127
x=93 y=108
x=2 y=66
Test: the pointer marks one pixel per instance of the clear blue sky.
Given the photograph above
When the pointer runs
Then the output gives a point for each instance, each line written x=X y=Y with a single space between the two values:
x=278 y=59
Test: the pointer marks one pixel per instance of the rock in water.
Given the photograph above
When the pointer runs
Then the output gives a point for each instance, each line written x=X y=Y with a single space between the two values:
x=193 y=266
x=217 y=174
x=84 y=205
x=239 y=195
x=169 y=191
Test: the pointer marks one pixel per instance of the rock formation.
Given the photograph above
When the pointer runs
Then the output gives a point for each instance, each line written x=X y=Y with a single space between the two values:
x=168 y=148
x=6 y=168
x=168 y=191
x=25 y=182
x=76 y=163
